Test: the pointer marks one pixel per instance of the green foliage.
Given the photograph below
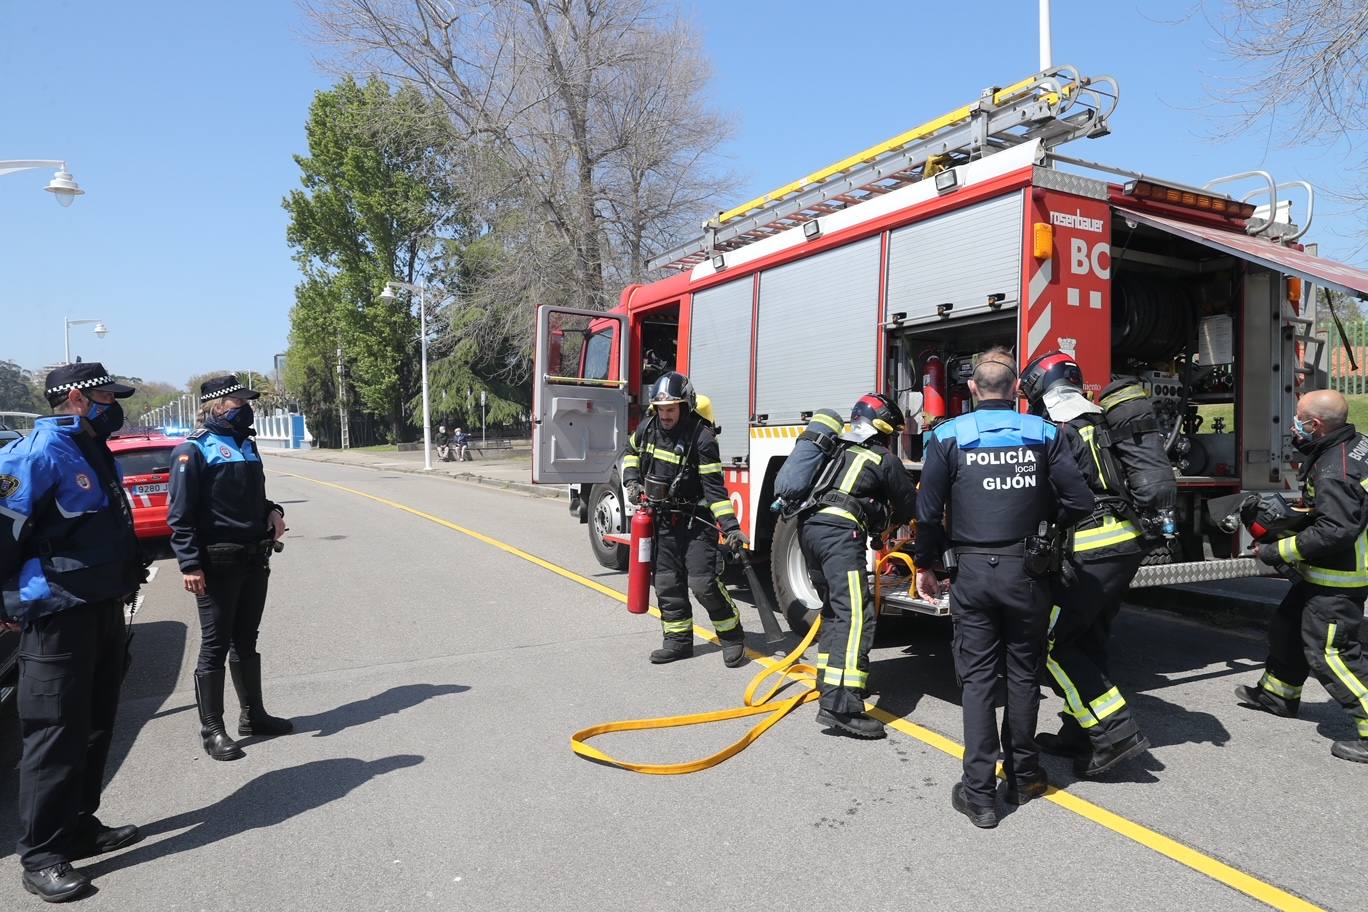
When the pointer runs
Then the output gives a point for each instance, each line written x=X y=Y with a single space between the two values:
x=19 y=390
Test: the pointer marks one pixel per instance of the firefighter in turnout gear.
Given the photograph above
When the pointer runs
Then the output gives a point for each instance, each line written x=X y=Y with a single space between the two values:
x=860 y=495
x=1099 y=730
x=1316 y=628
x=69 y=561
x=673 y=462
x=223 y=531
x=1002 y=477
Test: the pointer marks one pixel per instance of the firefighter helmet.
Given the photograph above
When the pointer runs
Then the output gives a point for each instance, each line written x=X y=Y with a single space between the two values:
x=1046 y=372
x=673 y=388
x=879 y=412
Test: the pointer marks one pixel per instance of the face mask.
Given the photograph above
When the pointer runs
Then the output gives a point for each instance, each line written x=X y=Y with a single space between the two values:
x=1300 y=429
x=240 y=418
x=105 y=419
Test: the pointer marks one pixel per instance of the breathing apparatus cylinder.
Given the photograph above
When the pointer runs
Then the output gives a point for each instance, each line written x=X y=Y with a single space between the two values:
x=933 y=388
x=639 y=560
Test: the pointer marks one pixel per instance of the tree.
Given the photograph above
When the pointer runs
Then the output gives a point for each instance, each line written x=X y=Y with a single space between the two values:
x=1301 y=72
x=586 y=142
x=18 y=392
x=377 y=204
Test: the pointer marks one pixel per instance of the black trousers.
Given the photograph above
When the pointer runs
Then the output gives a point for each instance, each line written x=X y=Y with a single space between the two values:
x=836 y=558
x=689 y=559
x=1000 y=617
x=1076 y=661
x=1316 y=631
x=230 y=609
x=71 y=665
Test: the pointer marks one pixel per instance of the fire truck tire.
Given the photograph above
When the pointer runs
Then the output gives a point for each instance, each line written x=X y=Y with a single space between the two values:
x=605 y=516
x=794 y=595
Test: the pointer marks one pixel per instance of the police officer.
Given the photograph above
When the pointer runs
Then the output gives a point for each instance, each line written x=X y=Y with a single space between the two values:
x=69 y=561
x=1316 y=628
x=673 y=462
x=1000 y=475
x=223 y=530
x=1099 y=730
x=869 y=492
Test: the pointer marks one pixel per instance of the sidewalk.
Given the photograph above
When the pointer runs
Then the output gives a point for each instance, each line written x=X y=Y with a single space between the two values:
x=512 y=472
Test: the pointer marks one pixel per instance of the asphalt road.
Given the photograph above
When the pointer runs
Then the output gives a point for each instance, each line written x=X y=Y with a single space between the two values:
x=434 y=680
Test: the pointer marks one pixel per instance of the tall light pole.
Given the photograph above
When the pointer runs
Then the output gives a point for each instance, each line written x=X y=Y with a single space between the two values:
x=100 y=330
x=62 y=186
x=1046 y=49
x=421 y=290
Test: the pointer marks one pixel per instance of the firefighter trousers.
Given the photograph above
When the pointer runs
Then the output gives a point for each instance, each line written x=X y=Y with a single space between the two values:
x=1316 y=631
x=689 y=559
x=1000 y=616
x=835 y=554
x=1076 y=656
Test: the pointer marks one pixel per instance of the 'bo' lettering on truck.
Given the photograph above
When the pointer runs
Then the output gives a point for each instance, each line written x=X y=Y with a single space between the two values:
x=890 y=269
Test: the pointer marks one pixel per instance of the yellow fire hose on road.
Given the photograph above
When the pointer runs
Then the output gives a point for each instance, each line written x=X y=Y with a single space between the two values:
x=789 y=670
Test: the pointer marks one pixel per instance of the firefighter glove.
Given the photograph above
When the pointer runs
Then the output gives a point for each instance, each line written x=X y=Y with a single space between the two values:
x=1267 y=552
x=634 y=492
x=736 y=540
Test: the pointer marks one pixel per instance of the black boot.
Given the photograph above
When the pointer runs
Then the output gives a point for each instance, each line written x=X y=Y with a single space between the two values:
x=1107 y=754
x=209 y=697
x=254 y=719
x=672 y=650
x=734 y=651
x=982 y=816
x=56 y=883
x=858 y=724
x=1026 y=788
x=1071 y=741
x=1355 y=751
x=94 y=838
x=1258 y=698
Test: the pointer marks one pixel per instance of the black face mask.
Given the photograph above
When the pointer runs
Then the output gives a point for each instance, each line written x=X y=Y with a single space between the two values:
x=240 y=419
x=105 y=419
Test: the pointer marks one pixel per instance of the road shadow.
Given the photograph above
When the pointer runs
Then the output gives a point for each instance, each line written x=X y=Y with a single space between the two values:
x=270 y=799
x=369 y=709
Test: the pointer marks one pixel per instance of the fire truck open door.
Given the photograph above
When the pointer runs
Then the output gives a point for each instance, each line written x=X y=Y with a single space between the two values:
x=579 y=399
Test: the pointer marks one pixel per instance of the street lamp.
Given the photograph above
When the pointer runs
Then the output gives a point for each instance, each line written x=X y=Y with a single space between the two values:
x=100 y=330
x=388 y=296
x=62 y=185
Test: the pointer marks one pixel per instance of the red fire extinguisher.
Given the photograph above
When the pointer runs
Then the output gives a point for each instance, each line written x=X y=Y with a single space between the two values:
x=933 y=388
x=639 y=561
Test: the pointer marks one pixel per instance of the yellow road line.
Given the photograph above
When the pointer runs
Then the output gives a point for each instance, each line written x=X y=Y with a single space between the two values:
x=1170 y=848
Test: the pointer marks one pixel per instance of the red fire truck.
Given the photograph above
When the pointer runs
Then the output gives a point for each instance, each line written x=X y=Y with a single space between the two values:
x=890 y=269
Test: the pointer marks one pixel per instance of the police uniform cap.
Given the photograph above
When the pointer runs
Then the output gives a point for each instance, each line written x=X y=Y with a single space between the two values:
x=84 y=376
x=227 y=385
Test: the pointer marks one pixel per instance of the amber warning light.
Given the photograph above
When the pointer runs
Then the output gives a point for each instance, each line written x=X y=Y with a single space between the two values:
x=1189 y=199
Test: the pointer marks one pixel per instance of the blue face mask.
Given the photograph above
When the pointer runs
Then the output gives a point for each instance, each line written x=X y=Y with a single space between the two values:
x=1300 y=429
x=105 y=419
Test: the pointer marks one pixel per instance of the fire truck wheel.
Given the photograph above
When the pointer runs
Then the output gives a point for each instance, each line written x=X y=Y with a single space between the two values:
x=605 y=517
x=794 y=595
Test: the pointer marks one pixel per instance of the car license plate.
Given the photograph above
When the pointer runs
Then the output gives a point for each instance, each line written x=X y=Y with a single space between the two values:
x=150 y=488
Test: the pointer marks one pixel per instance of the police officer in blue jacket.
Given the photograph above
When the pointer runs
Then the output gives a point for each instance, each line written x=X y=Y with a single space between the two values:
x=998 y=474
x=69 y=561
x=223 y=531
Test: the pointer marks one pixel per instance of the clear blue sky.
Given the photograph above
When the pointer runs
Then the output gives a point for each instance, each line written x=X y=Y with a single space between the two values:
x=180 y=120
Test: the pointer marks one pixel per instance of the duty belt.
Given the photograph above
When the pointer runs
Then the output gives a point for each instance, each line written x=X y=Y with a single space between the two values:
x=1005 y=549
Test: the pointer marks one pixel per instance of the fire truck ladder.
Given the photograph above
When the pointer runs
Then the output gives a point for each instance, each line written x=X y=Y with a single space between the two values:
x=1055 y=106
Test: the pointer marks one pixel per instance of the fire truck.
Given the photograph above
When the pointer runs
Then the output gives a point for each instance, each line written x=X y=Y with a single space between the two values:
x=890 y=269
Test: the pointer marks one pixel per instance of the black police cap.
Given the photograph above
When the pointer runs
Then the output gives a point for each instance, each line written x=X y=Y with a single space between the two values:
x=85 y=376
x=227 y=385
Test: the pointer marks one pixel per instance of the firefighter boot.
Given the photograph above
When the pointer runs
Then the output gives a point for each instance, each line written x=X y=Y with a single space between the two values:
x=858 y=724
x=1258 y=698
x=254 y=719
x=209 y=698
x=672 y=650
x=1071 y=741
x=1111 y=749
x=1355 y=751
x=734 y=649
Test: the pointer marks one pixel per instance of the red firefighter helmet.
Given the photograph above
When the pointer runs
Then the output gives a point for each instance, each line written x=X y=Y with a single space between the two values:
x=1046 y=372
x=879 y=412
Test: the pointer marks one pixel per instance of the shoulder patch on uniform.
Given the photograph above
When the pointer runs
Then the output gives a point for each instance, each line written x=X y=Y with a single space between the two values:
x=10 y=485
x=83 y=480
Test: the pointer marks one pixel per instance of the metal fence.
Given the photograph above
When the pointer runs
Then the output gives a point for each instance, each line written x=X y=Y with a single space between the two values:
x=1343 y=376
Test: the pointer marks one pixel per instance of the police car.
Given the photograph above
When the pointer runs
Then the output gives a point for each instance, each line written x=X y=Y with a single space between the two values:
x=144 y=458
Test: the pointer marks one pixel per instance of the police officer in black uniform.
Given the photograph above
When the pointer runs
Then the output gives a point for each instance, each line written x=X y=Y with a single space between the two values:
x=223 y=531
x=999 y=475
x=69 y=562
x=673 y=462
x=869 y=491
x=1099 y=729
x=1316 y=628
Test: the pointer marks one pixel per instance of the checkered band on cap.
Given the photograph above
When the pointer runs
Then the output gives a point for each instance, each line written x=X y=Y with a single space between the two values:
x=81 y=384
x=219 y=394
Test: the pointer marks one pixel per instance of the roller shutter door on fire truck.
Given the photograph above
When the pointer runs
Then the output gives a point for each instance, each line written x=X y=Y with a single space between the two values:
x=959 y=258
x=719 y=358
x=817 y=338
